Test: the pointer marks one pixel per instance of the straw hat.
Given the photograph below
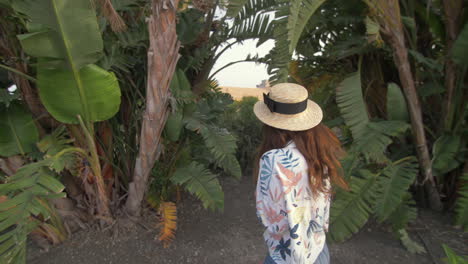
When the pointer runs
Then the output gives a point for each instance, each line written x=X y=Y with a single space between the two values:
x=287 y=107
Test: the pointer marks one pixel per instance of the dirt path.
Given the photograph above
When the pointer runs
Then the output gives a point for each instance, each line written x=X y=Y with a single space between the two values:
x=235 y=236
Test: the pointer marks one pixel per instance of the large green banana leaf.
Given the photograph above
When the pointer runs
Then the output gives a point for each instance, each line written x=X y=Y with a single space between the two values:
x=371 y=138
x=64 y=31
x=352 y=106
x=396 y=104
x=17 y=131
x=65 y=36
x=459 y=50
x=93 y=91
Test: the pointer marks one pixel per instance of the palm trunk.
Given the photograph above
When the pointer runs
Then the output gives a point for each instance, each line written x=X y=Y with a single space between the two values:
x=388 y=13
x=452 y=10
x=162 y=60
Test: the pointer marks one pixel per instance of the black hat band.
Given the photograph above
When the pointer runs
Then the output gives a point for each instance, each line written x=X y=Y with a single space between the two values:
x=284 y=108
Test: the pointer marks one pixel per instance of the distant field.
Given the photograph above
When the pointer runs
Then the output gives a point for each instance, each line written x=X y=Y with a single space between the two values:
x=238 y=92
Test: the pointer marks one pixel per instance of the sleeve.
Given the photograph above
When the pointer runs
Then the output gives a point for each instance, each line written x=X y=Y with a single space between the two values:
x=270 y=202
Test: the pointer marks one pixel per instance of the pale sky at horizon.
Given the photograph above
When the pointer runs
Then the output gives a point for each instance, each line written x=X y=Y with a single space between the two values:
x=244 y=74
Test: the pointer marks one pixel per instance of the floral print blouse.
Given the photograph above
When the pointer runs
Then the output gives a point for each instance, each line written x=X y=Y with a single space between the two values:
x=295 y=220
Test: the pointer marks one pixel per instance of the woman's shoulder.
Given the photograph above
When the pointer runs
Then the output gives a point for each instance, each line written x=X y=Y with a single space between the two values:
x=269 y=154
x=288 y=151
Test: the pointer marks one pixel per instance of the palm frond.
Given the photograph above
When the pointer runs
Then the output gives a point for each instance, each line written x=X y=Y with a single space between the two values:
x=220 y=142
x=168 y=212
x=235 y=7
x=377 y=137
x=279 y=56
x=352 y=106
x=300 y=13
x=350 y=210
x=258 y=26
x=222 y=145
x=24 y=193
x=404 y=213
x=199 y=181
x=393 y=185
x=370 y=138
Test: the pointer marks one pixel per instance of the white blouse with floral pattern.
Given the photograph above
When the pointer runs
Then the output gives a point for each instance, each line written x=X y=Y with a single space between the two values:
x=295 y=221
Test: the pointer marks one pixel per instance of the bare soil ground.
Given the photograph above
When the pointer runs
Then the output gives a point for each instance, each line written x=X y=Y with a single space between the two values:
x=235 y=236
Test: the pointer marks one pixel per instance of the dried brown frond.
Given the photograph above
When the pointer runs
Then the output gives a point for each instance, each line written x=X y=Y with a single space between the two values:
x=168 y=211
x=116 y=22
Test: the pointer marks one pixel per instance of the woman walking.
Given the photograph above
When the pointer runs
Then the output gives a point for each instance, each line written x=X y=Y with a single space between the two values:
x=298 y=160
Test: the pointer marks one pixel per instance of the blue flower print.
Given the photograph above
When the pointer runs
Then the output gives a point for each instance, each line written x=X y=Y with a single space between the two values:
x=293 y=231
x=283 y=248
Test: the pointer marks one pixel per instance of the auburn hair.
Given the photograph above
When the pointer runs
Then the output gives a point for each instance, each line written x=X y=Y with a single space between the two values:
x=320 y=148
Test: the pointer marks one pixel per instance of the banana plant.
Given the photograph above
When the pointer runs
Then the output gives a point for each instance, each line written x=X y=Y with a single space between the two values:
x=379 y=185
x=64 y=37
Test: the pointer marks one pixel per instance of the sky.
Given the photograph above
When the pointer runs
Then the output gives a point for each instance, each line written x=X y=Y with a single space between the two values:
x=244 y=74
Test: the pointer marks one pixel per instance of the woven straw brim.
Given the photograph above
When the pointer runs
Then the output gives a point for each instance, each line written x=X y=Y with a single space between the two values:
x=298 y=122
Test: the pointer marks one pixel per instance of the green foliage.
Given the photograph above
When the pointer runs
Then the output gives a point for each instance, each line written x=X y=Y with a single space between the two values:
x=252 y=20
x=26 y=193
x=396 y=103
x=68 y=84
x=291 y=19
x=96 y=93
x=198 y=144
x=409 y=244
x=235 y=7
x=461 y=206
x=299 y=14
x=404 y=213
x=174 y=126
x=57 y=31
x=393 y=184
x=241 y=120
x=452 y=257
x=199 y=181
x=220 y=143
x=17 y=130
x=352 y=106
x=189 y=26
x=376 y=138
x=370 y=138
x=459 y=52
x=445 y=154
x=350 y=210
x=6 y=97
x=388 y=187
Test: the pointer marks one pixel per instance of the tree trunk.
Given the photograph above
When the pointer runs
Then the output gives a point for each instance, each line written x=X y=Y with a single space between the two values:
x=162 y=60
x=452 y=11
x=388 y=13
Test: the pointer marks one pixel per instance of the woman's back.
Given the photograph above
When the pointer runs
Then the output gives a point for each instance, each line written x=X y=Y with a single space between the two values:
x=295 y=219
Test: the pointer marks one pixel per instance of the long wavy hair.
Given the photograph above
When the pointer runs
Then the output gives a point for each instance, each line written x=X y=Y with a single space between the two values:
x=320 y=148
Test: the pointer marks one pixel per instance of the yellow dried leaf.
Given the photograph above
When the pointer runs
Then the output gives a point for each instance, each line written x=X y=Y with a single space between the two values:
x=168 y=211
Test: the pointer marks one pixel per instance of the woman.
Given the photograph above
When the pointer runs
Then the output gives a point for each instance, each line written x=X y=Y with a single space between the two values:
x=297 y=160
